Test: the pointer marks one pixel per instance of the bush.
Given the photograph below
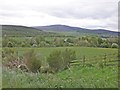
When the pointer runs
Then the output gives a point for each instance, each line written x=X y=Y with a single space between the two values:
x=114 y=45
x=22 y=44
x=9 y=57
x=68 y=55
x=5 y=41
x=7 y=52
x=10 y=44
x=60 y=60
x=55 y=61
x=32 y=62
x=105 y=45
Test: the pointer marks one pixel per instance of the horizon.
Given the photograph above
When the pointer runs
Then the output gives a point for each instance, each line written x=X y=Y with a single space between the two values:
x=84 y=14
x=62 y=25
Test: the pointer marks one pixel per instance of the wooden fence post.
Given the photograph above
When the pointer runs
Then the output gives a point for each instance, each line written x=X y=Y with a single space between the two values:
x=84 y=60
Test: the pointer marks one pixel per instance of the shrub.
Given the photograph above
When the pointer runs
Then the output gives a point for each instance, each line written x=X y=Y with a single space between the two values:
x=9 y=56
x=8 y=52
x=5 y=40
x=68 y=55
x=10 y=44
x=32 y=62
x=38 y=39
x=54 y=60
x=105 y=45
x=114 y=45
x=42 y=44
x=60 y=60
x=22 y=44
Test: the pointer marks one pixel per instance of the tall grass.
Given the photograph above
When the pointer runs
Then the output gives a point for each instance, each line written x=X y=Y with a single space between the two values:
x=79 y=77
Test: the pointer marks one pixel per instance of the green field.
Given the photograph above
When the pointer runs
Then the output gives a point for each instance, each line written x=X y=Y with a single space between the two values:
x=89 y=52
x=91 y=75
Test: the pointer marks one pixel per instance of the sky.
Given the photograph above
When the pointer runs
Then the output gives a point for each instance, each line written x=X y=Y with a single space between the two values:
x=92 y=14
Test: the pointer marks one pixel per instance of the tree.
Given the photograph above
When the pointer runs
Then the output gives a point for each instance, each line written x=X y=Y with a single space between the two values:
x=100 y=41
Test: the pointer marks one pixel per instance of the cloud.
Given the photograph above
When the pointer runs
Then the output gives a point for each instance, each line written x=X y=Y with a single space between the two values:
x=81 y=13
x=83 y=10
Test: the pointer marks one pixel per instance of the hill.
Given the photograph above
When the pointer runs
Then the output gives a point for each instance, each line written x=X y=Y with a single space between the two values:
x=15 y=30
x=77 y=30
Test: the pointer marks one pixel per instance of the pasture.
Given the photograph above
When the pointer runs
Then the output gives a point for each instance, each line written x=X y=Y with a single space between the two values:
x=93 y=68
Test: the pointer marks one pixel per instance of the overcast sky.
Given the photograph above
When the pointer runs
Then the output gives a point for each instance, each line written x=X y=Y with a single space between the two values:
x=81 y=13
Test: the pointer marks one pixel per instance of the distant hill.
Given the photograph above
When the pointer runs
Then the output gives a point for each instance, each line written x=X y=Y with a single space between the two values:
x=15 y=30
x=78 y=30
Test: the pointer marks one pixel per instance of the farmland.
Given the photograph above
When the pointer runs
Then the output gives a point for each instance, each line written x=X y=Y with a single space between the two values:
x=35 y=58
x=87 y=74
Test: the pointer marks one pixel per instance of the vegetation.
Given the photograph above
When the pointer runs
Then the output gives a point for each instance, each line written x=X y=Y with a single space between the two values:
x=41 y=41
x=77 y=77
x=89 y=74
x=33 y=58
x=60 y=60
x=32 y=62
x=18 y=31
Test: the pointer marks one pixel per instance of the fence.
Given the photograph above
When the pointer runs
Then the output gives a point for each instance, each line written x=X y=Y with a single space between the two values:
x=101 y=61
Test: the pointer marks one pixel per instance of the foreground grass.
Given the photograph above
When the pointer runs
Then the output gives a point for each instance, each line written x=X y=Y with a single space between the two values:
x=76 y=77
x=0 y=75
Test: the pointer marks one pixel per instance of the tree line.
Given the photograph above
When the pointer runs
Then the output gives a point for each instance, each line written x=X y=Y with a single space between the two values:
x=41 y=41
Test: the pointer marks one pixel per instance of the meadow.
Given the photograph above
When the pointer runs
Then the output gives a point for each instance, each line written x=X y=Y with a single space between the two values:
x=92 y=68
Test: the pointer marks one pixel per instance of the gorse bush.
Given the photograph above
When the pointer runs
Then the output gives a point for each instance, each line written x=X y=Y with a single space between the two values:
x=60 y=60
x=32 y=62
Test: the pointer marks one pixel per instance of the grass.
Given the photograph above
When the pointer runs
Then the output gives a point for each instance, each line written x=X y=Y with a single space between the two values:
x=77 y=77
x=80 y=51
x=0 y=64
x=0 y=75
